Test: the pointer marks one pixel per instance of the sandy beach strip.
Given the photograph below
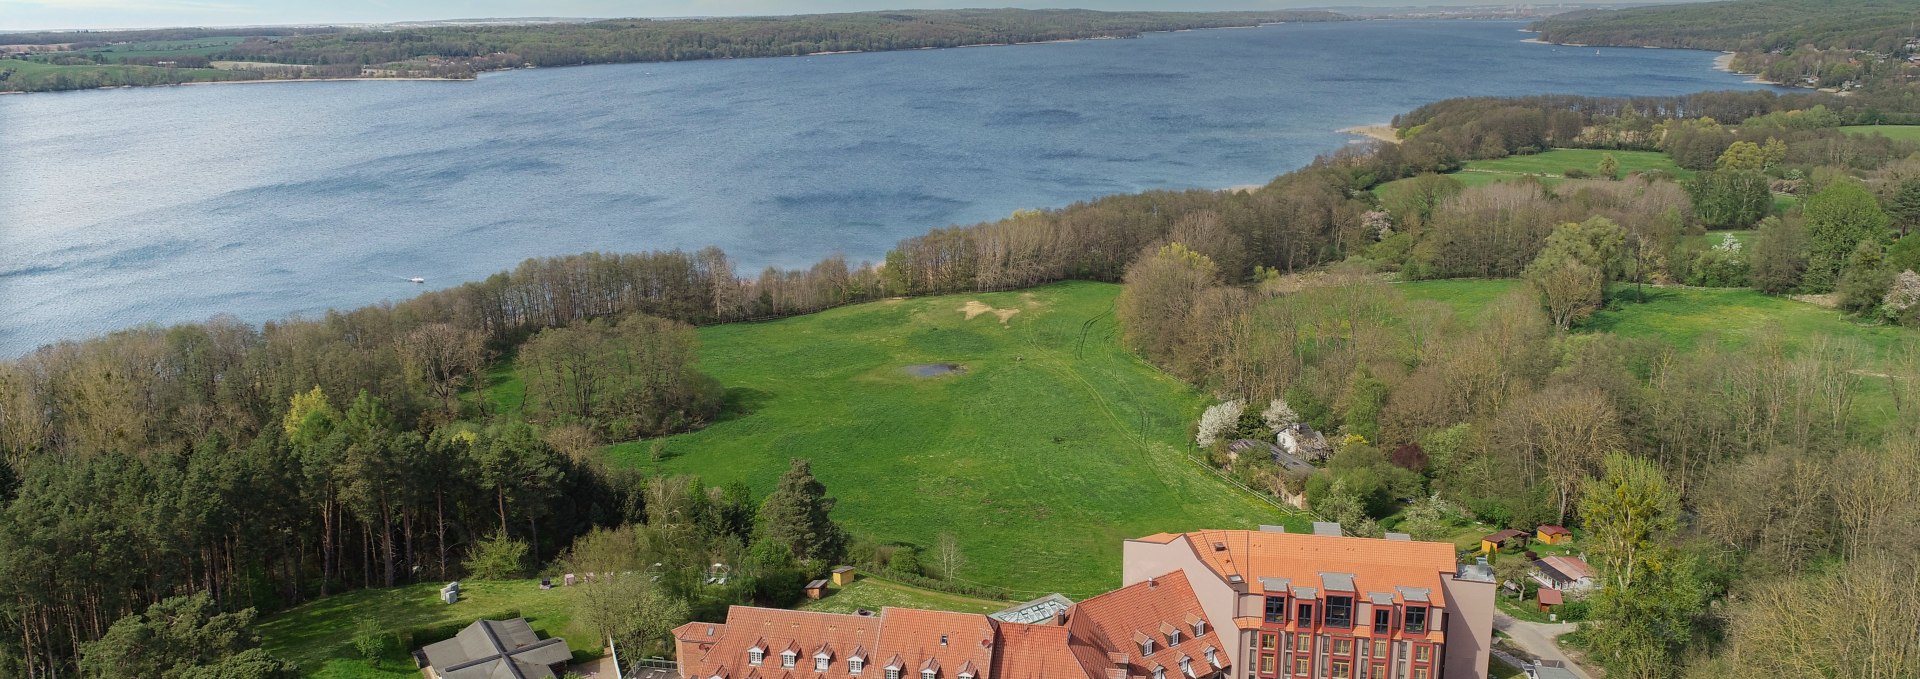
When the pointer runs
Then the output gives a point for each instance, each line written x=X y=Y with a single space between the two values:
x=1384 y=133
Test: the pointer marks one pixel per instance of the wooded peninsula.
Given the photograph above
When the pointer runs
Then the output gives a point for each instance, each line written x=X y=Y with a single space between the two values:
x=65 y=60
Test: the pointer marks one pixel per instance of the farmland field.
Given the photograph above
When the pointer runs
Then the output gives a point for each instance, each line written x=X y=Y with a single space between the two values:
x=1050 y=446
x=1900 y=132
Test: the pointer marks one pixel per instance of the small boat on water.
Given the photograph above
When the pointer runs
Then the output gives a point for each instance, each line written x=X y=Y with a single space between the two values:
x=417 y=279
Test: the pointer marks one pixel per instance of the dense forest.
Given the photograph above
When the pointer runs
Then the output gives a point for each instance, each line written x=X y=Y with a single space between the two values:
x=264 y=466
x=460 y=51
x=1856 y=46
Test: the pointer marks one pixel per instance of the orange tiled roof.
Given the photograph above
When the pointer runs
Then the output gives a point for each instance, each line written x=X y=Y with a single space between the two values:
x=949 y=640
x=1301 y=560
x=776 y=630
x=1105 y=630
x=1036 y=652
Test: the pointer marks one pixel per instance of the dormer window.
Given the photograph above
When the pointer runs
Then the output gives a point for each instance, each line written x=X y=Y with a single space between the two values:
x=893 y=673
x=787 y=658
x=1173 y=638
x=927 y=674
x=820 y=663
x=1186 y=666
x=1159 y=673
x=1146 y=647
x=854 y=665
x=1199 y=628
x=1213 y=657
x=755 y=656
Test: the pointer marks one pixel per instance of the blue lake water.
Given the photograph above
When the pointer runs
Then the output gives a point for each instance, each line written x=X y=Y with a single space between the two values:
x=175 y=204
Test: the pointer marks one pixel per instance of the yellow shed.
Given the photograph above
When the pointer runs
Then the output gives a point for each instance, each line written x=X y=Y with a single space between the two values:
x=843 y=575
x=1553 y=535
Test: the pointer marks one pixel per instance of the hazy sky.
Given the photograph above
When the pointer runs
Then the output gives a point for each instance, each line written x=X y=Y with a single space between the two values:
x=46 y=14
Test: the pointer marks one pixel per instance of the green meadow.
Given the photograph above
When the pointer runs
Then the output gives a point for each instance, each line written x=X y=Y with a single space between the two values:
x=873 y=594
x=1556 y=162
x=318 y=636
x=1049 y=446
x=1900 y=132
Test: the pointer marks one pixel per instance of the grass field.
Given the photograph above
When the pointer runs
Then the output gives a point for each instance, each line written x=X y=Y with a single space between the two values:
x=1556 y=162
x=1053 y=446
x=1900 y=132
x=29 y=74
x=1549 y=166
x=317 y=636
x=875 y=593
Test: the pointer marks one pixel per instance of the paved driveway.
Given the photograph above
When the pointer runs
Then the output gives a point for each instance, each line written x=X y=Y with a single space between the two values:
x=1537 y=639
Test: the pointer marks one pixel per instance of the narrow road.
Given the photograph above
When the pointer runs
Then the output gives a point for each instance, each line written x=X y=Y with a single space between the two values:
x=1537 y=638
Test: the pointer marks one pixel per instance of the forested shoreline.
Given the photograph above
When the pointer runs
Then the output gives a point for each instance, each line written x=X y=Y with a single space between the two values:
x=270 y=465
x=461 y=51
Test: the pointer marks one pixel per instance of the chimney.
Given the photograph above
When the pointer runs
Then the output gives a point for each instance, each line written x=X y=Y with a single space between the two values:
x=1151 y=583
x=1060 y=618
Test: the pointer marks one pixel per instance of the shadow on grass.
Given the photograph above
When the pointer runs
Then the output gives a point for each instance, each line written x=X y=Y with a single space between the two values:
x=742 y=401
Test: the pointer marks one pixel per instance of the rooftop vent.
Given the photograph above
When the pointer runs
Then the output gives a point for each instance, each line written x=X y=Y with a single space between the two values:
x=1402 y=537
x=1328 y=528
x=1219 y=546
x=1264 y=528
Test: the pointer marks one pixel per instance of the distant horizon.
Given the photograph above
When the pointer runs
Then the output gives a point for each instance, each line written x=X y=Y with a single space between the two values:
x=110 y=15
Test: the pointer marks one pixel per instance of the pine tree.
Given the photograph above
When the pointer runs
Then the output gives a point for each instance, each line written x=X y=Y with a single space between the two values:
x=1609 y=167
x=796 y=515
x=1904 y=208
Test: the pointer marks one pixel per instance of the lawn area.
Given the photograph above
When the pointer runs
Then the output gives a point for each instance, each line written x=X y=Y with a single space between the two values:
x=873 y=594
x=1556 y=162
x=1550 y=165
x=1052 y=446
x=317 y=636
x=32 y=74
x=1900 y=132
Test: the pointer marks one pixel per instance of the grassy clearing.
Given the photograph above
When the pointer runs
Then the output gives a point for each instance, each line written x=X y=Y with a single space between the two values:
x=1550 y=166
x=32 y=74
x=873 y=594
x=1899 y=132
x=1556 y=162
x=1053 y=446
x=317 y=636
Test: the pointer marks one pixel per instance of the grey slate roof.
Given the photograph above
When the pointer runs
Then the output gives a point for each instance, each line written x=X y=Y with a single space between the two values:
x=1326 y=528
x=1305 y=592
x=497 y=649
x=1337 y=582
x=1380 y=598
x=1275 y=584
x=1414 y=593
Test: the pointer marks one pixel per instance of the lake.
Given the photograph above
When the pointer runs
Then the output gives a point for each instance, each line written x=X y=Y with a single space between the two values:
x=164 y=205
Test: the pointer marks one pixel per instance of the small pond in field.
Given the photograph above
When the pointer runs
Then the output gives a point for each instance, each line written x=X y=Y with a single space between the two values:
x=935 y=369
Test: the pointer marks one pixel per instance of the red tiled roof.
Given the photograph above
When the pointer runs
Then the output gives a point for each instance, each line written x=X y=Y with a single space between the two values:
x=916 y=636
x=1301 y=559
x=1504 y=536
x=1036 y=652
x=1550 y=596
x=1550 y=529
x=1105 y=629
x=777 y=630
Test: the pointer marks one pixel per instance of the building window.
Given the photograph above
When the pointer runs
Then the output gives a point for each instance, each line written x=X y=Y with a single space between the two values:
x=1304 y=616
x=1269 y=640
x=1186 y=667
x=1302 y=643
x=1379 y=671
x=854 y=665
x=1199 y=628
x=820 y=663
x=1173 y=638
x=1339 y=611
x=1301 y=666
x=1212 y=658
x=1343 y=647
x=1419 y=673
x=1159 y=673
x=1416 y=620
x=1422 y=653
x=893 y=673
x=1380 y=648
x=1342 y=669
x=926 y=674
x=1266 y=663
x=1382 y=620
x=1276 y=609
x=1146 y=647
x=756 y=656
